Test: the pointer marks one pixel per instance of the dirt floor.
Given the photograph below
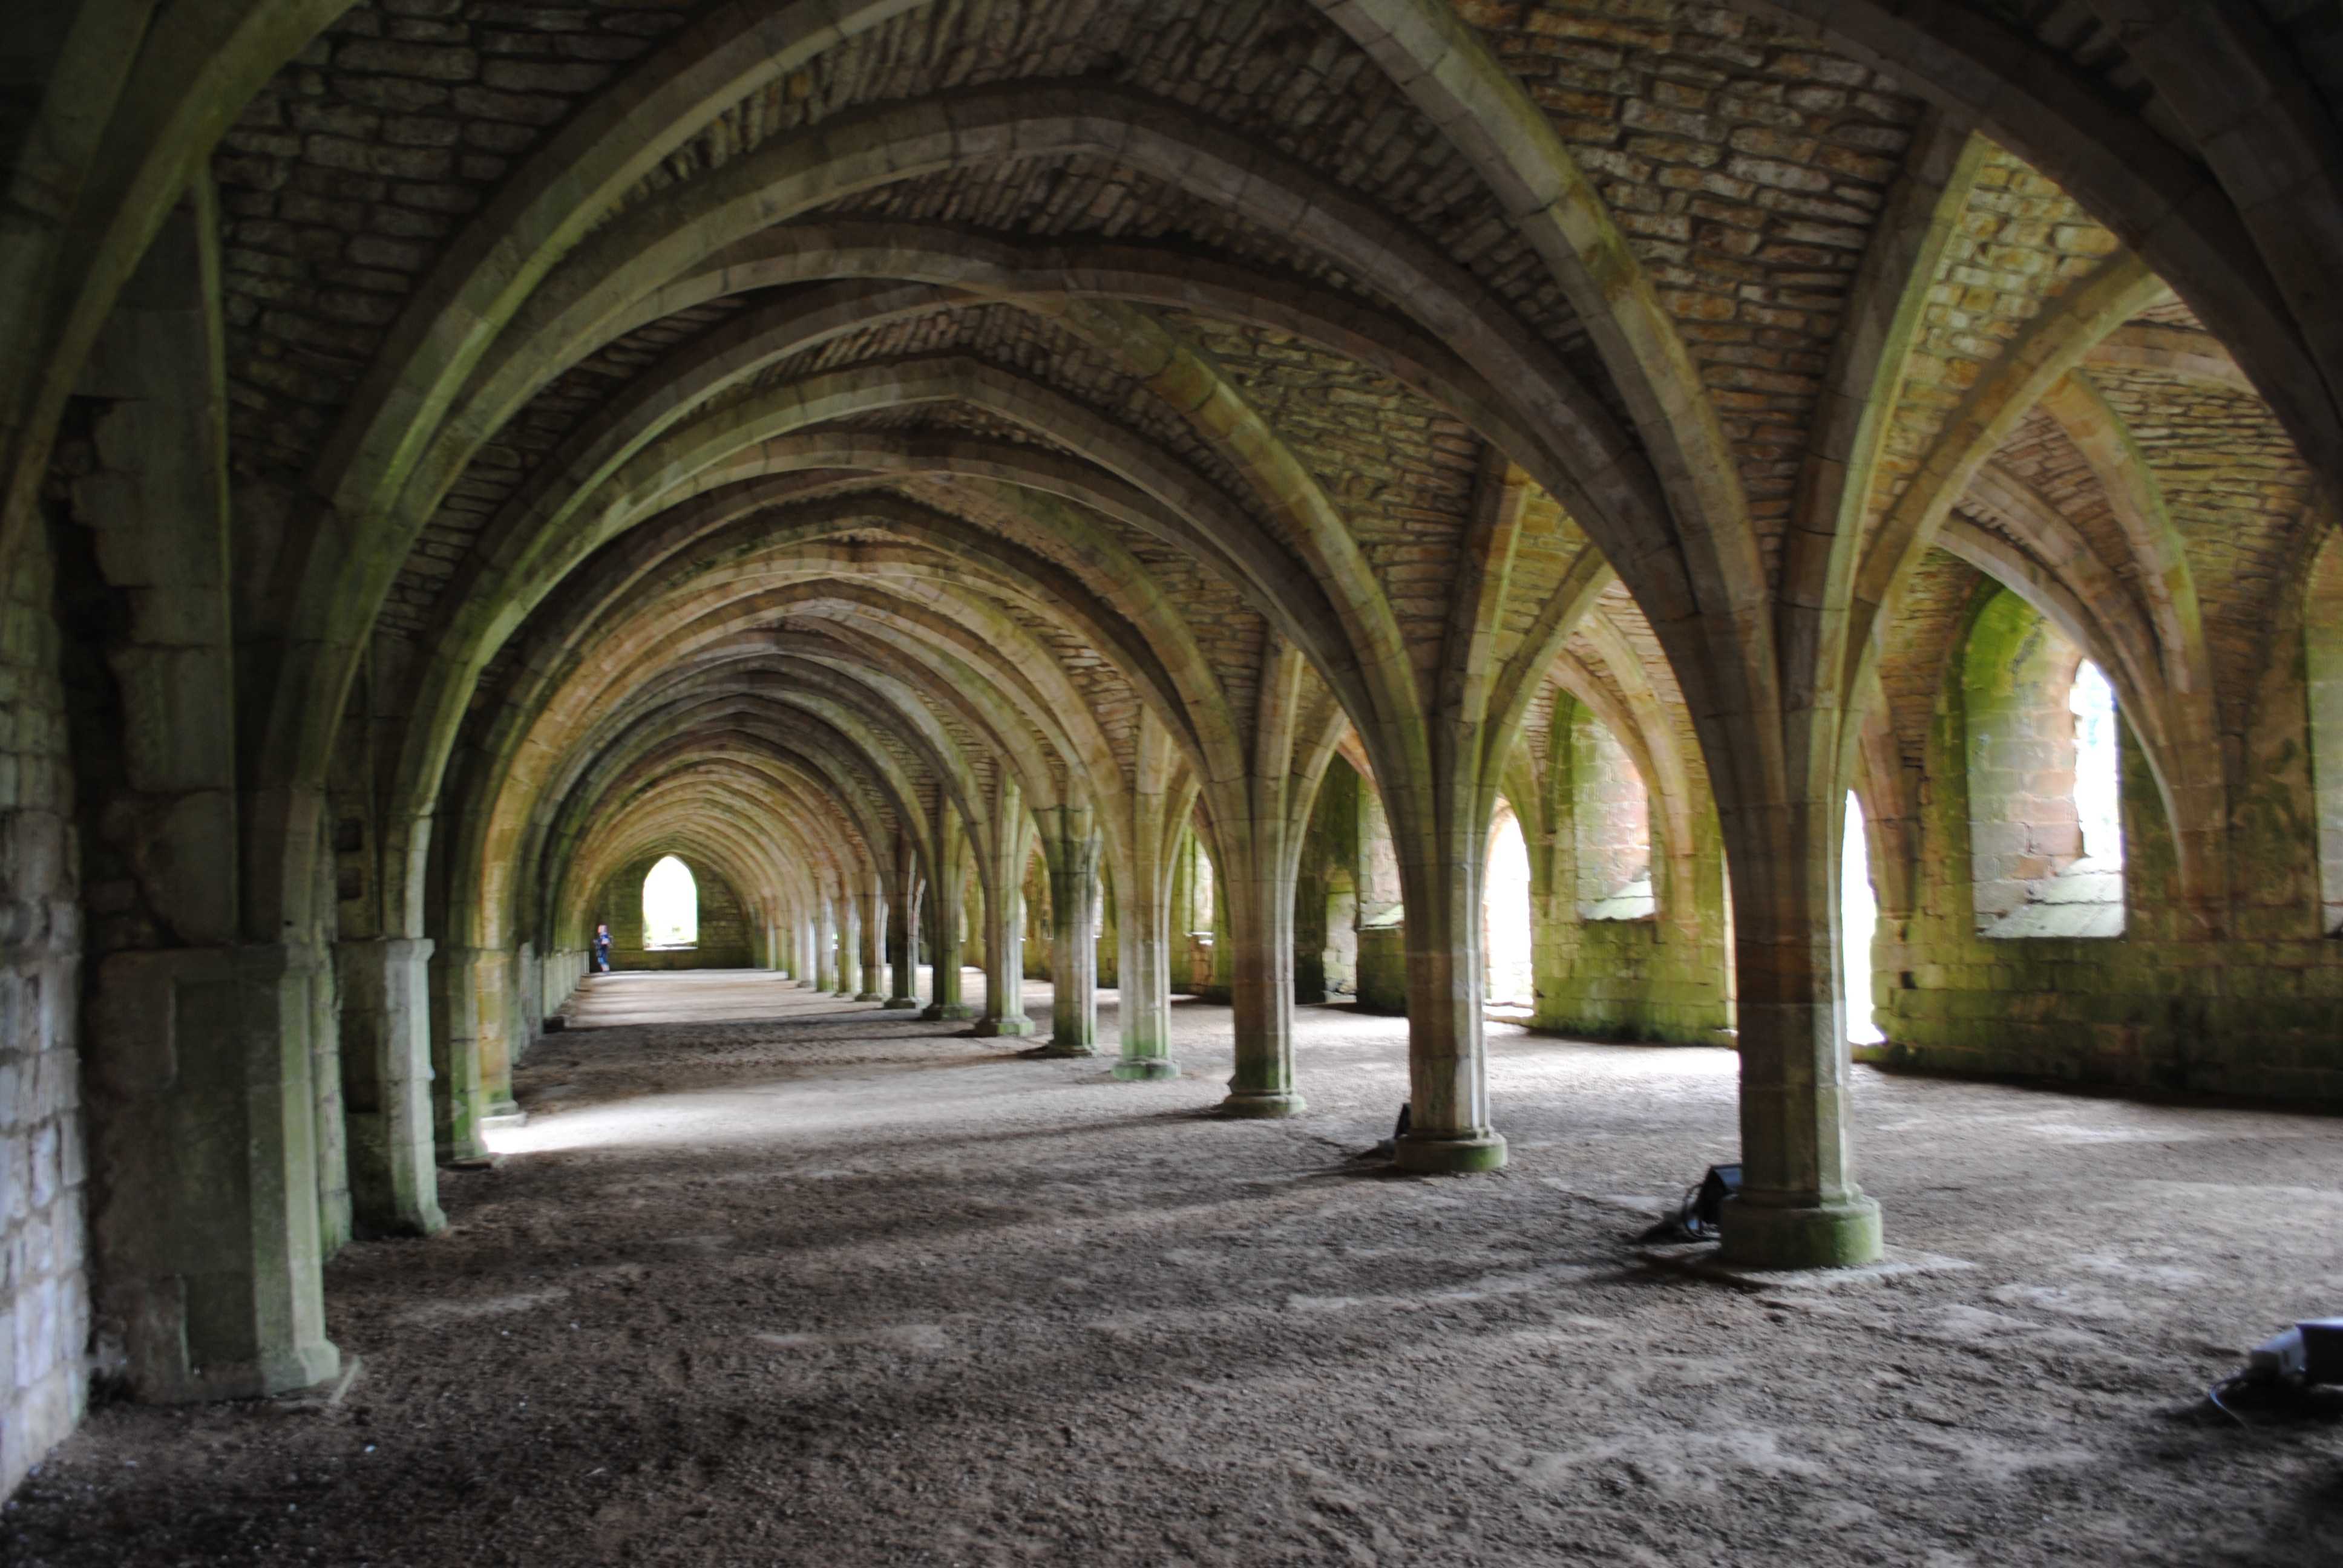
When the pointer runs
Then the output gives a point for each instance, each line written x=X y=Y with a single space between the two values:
x=842 y=1287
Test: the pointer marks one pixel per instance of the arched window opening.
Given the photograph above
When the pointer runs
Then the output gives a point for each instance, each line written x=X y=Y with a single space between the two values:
x=2323 y=632
x=2045 y=774
x=2099 y=805
x=670 y=906
x=1200 y=903
x=1512 y=980
x=1858 y=923
x=1612 y=817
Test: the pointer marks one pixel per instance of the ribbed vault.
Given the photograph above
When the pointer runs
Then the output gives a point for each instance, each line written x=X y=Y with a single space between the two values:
x=871 y=448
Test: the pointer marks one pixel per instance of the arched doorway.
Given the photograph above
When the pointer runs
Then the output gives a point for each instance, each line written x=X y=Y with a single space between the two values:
x=670 y=906
x=1505 y=939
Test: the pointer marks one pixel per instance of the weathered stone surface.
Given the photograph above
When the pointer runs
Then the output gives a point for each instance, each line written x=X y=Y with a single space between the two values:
x=1265 y=450
x=44 y=1299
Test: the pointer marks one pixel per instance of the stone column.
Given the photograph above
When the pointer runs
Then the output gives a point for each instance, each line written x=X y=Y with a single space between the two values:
x=1144 y=938
x=330 y=1137
x=843 y=938
x=943 y=902
x=1163 y=801
x=1798 y=1206
x=198 y=1060
x=944 y=999
x=386 y=1084
x=500 y=1015
x=1448 y=1079
x=459 y=1101
x=805 y=940
x=874 y=926
x=824 y=946
x=1071 y=850
x=902 y=950
x=1260 y=905
x=209 y=1227
x=1004 y=918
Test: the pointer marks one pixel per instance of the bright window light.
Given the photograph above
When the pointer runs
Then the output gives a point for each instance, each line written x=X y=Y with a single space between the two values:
x=670 y=906
x=1505 y=917
x=1858 y=922
x=2098 y=805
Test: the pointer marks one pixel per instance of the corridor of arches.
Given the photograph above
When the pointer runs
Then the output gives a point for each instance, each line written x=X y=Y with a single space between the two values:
x=981 y=517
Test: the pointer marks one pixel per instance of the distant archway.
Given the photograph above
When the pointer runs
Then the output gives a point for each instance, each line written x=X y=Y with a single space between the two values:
x=1506 y=915
x=670 y=906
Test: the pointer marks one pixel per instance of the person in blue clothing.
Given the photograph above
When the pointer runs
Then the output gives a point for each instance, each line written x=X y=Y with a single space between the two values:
x=601 y=950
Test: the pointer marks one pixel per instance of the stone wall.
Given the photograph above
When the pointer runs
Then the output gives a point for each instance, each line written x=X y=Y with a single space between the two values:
x=1383 y=970
x=2254 y=1009
x=1346 y=885
x=1646 y=957
x=1611 y=815
x=44 y=1300
x=723 y=925
x=1651 y=980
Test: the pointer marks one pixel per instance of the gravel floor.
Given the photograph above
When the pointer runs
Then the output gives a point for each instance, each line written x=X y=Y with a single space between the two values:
x=841 y=1287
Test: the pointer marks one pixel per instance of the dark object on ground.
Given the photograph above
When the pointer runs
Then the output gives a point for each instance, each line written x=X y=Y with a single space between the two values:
x=1704 y=1206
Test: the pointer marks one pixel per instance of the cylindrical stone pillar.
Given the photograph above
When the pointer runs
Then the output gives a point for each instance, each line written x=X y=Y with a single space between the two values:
x=1004 y=963
x=459 y=1104
x=872 y=911
x=824 y=946
x=903 y=952
x=1260 y=905
x=843 y=934
x=1143 y=962
x=1072 y=856
x=1448 y=1078
x=1798 y=1207
x=805 y=935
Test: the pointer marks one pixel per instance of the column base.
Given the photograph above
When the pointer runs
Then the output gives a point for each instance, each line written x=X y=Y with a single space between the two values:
x=899 y=1004
x=1430 y=1155
x=948 y=1012
x=1260 y=1105
x=427 y=1220
x=1002 y=1027
x=281 y=1372
x=460 y=1151
x=869 y=996
x=1050 y=1047
x=1144 y=1068
x=843 y=995
x=1840 y=1235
